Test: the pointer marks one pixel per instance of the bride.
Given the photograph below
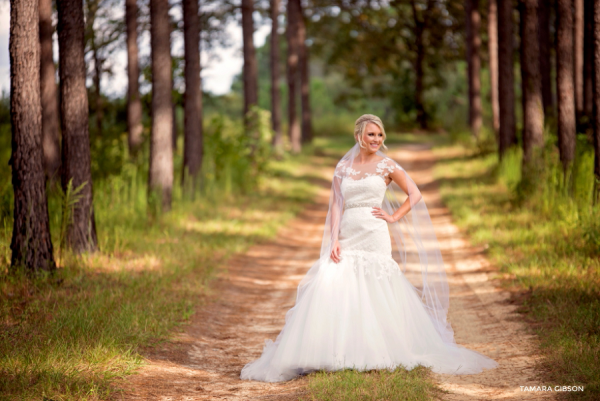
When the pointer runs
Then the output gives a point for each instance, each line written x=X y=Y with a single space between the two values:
x=369 y=302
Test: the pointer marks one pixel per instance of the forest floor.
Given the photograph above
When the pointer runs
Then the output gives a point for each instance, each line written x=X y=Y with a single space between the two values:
x=253 y=294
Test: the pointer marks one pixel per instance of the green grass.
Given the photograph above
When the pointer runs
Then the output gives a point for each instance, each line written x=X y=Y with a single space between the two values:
x=73 y=335
x=352 y=385
x=545 y=240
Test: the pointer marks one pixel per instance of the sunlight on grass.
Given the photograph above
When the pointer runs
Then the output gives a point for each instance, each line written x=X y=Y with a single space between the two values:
x=546 y=247
x=352 y=385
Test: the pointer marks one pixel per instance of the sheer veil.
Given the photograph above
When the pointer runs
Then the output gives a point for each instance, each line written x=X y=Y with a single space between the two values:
x=414 y=243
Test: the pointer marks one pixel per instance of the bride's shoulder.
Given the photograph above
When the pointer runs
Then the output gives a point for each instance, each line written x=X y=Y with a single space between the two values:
x=343 y=168
x=387 y=165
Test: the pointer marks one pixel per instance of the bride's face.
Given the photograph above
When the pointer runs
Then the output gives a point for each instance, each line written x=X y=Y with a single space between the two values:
x=372 y=138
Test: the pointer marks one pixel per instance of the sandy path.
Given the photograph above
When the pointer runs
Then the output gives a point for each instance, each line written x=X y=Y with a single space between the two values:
x=204 y=362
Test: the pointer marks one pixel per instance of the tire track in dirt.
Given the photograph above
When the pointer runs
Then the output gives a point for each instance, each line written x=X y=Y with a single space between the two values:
x=252 y=297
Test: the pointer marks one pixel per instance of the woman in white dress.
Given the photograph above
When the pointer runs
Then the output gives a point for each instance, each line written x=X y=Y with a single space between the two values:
x=370 y=302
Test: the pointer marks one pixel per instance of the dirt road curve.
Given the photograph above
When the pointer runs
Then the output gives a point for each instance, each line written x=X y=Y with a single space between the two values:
x=204 y=362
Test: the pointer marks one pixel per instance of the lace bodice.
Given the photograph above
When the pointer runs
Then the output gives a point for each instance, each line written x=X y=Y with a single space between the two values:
x=369 y=190
x=365 y=184
x=354 y=171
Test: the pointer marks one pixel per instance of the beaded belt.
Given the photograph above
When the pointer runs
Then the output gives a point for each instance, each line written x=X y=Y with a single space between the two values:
x=361 y=204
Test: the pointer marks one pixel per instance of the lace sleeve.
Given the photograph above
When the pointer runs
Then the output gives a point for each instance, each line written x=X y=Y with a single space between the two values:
x=386 y=167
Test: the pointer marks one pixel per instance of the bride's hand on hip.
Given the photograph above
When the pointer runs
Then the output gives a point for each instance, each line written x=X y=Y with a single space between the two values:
x=382 y=214
x=335 y=251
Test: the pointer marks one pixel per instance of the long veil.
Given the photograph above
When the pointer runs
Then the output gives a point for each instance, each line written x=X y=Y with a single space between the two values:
x=415 y=246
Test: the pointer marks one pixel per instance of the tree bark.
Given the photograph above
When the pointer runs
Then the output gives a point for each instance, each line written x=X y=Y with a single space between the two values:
x=578 y=30
x=506 y=79
x=419 y=60
x=81 y=233
x=304 y=81
x=533 y=112
x=49 y=95
x=596 y=119
x=474 y=65
x=31 y=244
x=134 y=104
x=588 y=57
x=192 y=148
x=250 y=64
x=545 y=64
x=564 y=82
x=293 y=28
x=275 y=93
x=160 y=180
x=493 y=55
x=90 y=32
x=174 y=130
x=97 y=93
x=522 y=62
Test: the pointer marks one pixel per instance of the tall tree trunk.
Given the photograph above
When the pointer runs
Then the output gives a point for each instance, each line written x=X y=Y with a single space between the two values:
x=275 y=93
x=92 y=7
x=578 y=31
x=304 y=81
x=174 y=93
x=160 y=180
x=175 y=129
x=506 y=79
x=533 y=111
x=81 y=234
x=522 y=65
x=192 y=148
x=31 y=244
x=250 y=64
x=419 y=60
x=564 y=82
x=134 y=104
x=97 y=93
x=545 y=64
x=588 y=57
x=49 y=95
x=493 y=55
x=293 y=28
x=596 y=119
x=474 y=65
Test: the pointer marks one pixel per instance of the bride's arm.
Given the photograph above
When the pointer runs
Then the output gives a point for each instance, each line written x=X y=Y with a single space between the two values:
x=399 y=176
x=336 y=217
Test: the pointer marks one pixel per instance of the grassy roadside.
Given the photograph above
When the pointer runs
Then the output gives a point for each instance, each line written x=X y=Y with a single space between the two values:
x=72 y=335
x=547 y=248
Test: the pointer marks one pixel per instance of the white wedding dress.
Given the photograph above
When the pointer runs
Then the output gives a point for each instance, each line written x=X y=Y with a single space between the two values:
x=360 y=313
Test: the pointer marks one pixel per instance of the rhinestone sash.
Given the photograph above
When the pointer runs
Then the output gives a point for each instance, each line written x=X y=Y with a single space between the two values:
x=361 y=204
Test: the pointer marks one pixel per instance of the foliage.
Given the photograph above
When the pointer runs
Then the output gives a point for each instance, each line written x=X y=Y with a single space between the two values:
x=236 y=157
x=68 y=201
x=376 y=47
x=544 y=241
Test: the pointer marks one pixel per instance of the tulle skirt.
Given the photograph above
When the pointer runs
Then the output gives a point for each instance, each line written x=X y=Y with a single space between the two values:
x=360 y=313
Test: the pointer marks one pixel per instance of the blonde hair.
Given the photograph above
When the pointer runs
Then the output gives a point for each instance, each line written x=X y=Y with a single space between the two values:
x=361 y=124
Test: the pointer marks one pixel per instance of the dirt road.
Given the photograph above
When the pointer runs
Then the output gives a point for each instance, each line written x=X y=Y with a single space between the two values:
x=204 y=362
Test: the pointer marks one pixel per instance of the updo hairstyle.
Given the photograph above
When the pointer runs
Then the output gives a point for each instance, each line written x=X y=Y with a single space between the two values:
x=361 y=124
